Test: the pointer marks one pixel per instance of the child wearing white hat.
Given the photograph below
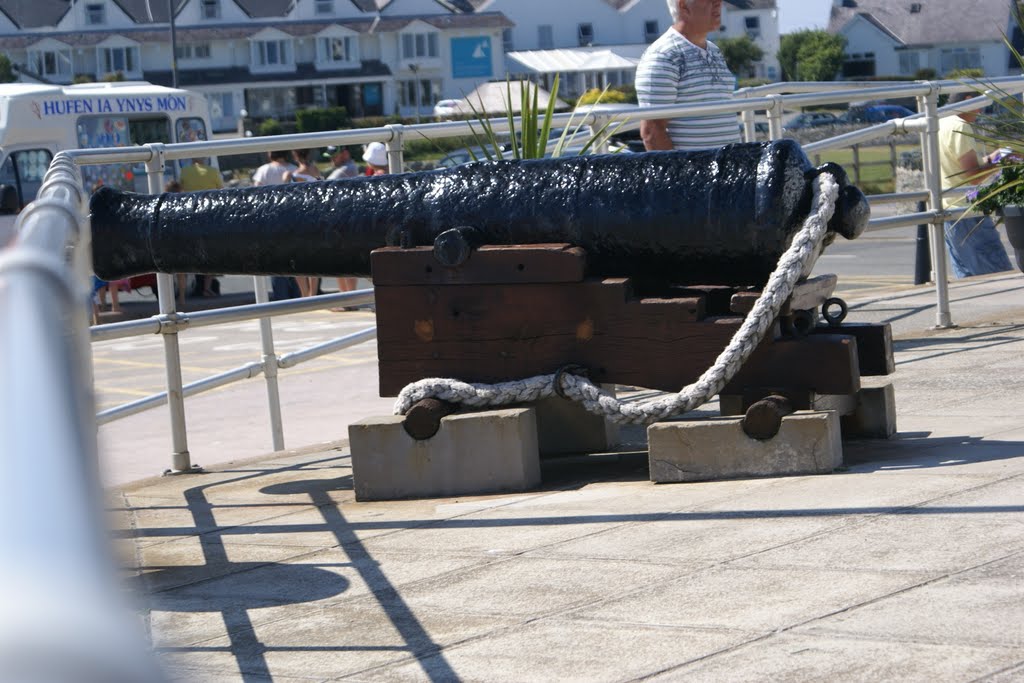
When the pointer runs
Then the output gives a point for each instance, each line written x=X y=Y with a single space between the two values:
x=376 y=156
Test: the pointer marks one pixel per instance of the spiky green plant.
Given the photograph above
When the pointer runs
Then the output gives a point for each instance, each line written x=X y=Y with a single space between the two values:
x=532 y=139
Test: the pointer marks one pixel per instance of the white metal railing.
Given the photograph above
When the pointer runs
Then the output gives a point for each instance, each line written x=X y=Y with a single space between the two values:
x=773 y=99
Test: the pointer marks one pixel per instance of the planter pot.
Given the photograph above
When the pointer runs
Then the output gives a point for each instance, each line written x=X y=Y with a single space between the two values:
x=1013 y=219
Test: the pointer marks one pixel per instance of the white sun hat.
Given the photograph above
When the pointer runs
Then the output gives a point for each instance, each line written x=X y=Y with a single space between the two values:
x=376 y=154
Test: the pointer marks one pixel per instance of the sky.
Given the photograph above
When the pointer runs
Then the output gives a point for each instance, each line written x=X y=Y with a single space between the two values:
x=797 y=14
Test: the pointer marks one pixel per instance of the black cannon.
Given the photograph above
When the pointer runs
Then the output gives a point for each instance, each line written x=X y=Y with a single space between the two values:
x=718 y=216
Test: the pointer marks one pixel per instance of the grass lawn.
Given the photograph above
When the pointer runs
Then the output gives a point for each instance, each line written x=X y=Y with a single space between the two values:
x=876 y=174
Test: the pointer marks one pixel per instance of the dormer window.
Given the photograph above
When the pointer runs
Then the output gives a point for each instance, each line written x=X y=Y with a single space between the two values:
x=915 y=8
x=273 y=54
x=54 y=64
x=419 y=46
x=325 y=6
x=334 y=51
x=211 y=9
x=95 y=14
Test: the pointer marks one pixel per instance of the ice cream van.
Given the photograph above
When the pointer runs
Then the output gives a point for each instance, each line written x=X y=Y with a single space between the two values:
x=37 y=121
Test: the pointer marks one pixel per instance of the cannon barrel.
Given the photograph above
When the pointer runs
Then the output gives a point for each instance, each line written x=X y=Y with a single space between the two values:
x=716 y=216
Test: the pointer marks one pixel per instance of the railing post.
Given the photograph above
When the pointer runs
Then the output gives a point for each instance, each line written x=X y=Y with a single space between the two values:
x=269 y=365
x=892 y=161
x=933 y=182
x=775 y=118
x=856 y=164
x=600 y=145
x=396 y=153
x=180 y=459
x=749 y=131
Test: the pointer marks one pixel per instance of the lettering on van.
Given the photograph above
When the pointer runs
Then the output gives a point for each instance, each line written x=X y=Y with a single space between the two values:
x=111 y=105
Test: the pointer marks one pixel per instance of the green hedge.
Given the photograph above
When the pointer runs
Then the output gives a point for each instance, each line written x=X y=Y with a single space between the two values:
x=330 y=118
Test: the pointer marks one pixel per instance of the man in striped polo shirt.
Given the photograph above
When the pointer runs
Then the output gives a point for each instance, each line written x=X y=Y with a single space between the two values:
x=684 y=67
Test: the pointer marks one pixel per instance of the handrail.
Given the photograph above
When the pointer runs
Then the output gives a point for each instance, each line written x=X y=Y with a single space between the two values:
x=58 y=577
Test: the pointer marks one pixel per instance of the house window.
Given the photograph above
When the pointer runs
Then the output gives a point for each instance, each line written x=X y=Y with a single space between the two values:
x=419 y=46
x=51 y=63
x=325 y=6
x=650 y=30
x=915 y=8
x=272 y=53
x=123 y=59
x=954 y=58
x=859 y=65
x=193 y=51
x=753 y=27
x=910 y=63
x=419 y=93
x=585 y=33
x=507 y=41
x=211 y=9
x=335 y=50
x=545 y=37
x=95 y=15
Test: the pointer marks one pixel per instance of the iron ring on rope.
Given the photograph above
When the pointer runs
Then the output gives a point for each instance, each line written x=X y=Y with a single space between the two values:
x=572 y=369
x=834 y=319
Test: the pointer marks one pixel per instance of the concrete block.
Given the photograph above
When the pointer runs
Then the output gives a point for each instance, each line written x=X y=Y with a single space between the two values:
x=564 y=427
x=701 y=450
x=874 y=416
x=472 y=453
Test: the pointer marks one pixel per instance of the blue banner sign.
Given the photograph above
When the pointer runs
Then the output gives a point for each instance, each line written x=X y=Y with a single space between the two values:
x=471 y=57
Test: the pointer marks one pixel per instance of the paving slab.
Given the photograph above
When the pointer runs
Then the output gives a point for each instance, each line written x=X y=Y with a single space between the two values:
x=906 y=565
x=800 y=657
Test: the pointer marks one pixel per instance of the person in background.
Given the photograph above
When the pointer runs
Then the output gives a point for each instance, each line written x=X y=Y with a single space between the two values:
x=684 y=67
x=341 y=158
x=305 y=171
x=273 y=173
x=344 y=167
x=199 y=176
x=376 y=157
x=973 y=243
x=196 y=177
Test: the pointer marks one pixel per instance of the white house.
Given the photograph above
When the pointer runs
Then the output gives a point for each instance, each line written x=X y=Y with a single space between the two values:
x=899 y=38
x=593 y=43
x=271 y=57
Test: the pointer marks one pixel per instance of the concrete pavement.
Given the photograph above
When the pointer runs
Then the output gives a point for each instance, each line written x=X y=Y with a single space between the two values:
x=904 y=565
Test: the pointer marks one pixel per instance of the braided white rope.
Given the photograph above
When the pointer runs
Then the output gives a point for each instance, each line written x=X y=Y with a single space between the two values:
x=792 y=265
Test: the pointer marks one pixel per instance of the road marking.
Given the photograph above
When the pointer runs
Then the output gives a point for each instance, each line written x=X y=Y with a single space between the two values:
x=139 y=364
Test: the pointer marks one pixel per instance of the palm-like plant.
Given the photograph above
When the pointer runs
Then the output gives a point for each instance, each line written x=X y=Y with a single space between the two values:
x=532 y=139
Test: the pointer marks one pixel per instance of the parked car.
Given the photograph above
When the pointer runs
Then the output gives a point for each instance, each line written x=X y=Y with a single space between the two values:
x=875 y=113
x=446 y=109
x=811 y=119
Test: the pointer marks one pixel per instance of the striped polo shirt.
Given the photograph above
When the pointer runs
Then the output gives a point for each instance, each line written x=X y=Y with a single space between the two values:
x=675 y=71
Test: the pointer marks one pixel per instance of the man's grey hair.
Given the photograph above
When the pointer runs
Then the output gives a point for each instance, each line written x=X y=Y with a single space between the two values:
x=673 y=8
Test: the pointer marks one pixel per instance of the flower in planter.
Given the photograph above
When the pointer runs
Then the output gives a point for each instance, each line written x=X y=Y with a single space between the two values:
x=1006 y=188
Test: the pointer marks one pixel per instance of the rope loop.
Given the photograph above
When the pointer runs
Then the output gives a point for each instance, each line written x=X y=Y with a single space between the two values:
x=568 y=382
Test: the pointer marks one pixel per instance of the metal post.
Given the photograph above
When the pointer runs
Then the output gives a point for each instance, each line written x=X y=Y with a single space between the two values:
x=601 y=145
x=775 y=118
x=394 y=145
x=180 y=459
x=174 y=45
x=749 y=132
x=933 y=181
x=856 y=164
x=260 y=286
